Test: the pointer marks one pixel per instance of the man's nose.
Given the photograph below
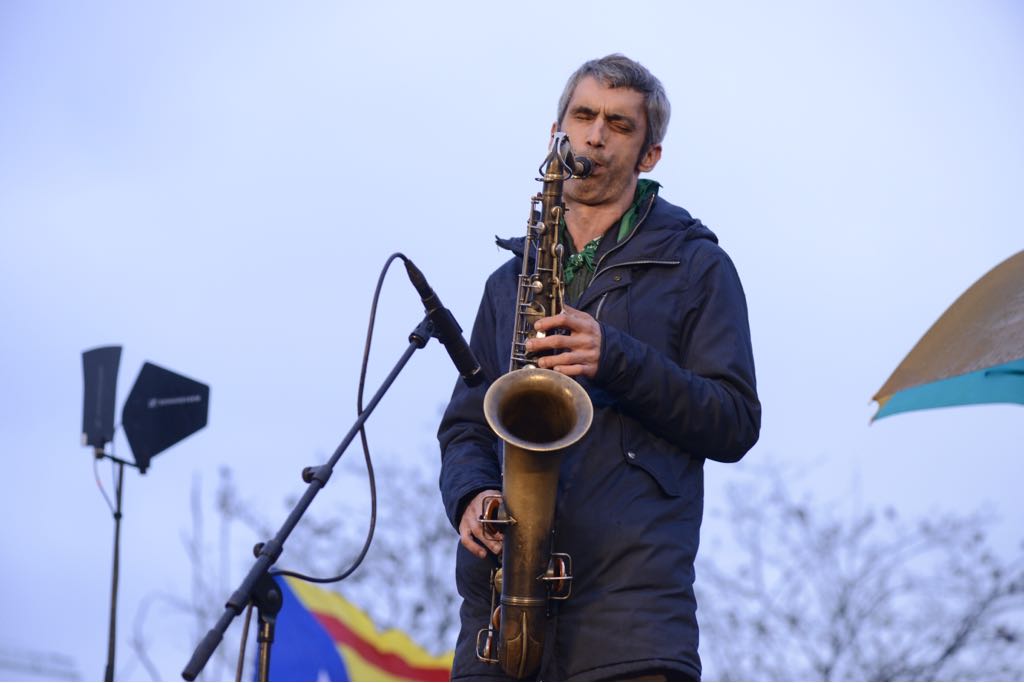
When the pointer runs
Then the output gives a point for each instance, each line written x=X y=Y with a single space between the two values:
x=595 y=133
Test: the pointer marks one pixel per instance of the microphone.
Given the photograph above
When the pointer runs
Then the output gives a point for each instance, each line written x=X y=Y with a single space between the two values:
x=446 y=329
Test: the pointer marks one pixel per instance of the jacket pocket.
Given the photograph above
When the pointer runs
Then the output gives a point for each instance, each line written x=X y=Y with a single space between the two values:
x=612 y=306
x=655 y=456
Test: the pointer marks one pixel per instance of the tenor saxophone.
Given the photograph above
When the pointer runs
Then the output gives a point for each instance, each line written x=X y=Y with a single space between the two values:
x=537 y=413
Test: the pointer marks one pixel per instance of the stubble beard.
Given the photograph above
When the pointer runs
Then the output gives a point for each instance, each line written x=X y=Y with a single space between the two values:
x=595 y=191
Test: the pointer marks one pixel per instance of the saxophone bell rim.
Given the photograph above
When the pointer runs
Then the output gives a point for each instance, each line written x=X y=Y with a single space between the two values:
x=539 y=381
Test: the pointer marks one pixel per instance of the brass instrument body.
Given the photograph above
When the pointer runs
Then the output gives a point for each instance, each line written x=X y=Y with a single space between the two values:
x=537 y=413
x=540 y=282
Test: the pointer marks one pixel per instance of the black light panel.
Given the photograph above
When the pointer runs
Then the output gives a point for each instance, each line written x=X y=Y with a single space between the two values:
x=99 y=367
x=162 y=409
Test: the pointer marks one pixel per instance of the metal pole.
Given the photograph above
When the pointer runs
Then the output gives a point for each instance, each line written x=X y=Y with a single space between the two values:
x=109 y=674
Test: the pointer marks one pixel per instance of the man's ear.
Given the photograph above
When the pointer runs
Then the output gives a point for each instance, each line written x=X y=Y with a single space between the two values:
x=650 y=159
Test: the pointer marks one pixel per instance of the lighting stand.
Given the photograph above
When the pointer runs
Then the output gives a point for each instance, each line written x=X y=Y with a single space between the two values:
x=118 y=490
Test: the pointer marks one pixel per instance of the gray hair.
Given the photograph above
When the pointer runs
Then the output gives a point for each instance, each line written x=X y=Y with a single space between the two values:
x=618 y=71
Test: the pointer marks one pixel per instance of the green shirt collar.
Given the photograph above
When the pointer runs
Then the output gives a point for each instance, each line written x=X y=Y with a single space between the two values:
x=584 y=258
x=645 y=187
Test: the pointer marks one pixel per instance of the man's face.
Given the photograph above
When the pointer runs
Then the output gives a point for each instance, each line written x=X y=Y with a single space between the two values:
x=608 y=125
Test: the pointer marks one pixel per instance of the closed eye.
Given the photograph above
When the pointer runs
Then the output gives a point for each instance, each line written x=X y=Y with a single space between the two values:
x=622 y=124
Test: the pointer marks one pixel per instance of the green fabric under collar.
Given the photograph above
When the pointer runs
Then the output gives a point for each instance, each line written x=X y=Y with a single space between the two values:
x=584 y=258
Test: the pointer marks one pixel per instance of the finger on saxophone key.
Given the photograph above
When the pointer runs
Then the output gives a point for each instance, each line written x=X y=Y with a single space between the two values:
x=471 y=530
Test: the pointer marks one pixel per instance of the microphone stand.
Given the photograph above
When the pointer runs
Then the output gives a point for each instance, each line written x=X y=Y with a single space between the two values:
x=258 y=586
x=119 y=489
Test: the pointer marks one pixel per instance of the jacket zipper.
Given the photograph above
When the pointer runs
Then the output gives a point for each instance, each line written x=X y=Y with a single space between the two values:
x=600 y=304
x=645 y=262
x=647 y=211
x=599 y=270
x=641 y=262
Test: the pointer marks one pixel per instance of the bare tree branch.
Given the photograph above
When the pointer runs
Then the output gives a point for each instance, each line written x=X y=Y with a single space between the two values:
x=804 y=593
x=406 y=580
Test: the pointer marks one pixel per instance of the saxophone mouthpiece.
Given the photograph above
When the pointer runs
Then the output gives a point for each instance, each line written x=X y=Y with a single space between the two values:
x=581 y=167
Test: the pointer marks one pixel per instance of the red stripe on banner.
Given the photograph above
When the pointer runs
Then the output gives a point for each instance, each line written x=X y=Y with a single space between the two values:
x=388 y=661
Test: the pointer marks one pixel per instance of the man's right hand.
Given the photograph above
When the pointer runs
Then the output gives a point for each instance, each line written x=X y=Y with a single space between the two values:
x=471 y=531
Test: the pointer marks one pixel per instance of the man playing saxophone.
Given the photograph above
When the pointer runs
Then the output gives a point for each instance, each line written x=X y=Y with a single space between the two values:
x=657 y=335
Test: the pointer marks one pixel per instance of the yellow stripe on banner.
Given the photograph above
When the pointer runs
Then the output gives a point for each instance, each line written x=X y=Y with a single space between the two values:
x=390 y=641
x=361 y=670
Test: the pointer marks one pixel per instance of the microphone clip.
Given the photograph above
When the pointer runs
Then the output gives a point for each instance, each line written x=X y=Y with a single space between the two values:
x=422 y=334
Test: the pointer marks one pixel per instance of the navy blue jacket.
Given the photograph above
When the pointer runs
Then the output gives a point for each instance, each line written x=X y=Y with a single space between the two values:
x=675 y=386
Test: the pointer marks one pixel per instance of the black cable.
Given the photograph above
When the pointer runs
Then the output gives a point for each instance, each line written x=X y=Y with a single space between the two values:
x=369 y=470
x=362 y=437
x=241 y=647
x=113 y=472
x=99 y=483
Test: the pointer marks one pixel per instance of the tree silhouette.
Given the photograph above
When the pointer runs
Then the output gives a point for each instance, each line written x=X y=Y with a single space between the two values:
x=804 y=593
x=800 y=591
x=406 y=580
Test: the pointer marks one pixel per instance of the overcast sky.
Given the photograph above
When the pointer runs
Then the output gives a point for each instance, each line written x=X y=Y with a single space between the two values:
x=215 y=187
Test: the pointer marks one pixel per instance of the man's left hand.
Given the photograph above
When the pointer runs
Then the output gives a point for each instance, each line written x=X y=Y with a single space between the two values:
x=580 y=349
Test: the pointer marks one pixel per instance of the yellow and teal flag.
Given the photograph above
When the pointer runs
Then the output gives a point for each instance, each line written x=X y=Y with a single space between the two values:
x=321 y=636
x=974 y=353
